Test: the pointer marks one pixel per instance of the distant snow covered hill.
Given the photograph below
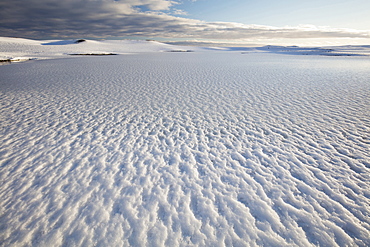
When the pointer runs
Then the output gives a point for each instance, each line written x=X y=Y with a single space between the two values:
x=210 y=148
x=15 y=49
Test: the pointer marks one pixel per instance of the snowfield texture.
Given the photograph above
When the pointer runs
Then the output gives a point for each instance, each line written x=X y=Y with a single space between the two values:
x=186 y=149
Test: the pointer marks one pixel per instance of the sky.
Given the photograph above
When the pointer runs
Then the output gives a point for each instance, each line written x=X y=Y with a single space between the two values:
x=231 y=22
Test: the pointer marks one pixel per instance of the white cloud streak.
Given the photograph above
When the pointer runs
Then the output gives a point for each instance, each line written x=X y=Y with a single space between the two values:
x=109 y=18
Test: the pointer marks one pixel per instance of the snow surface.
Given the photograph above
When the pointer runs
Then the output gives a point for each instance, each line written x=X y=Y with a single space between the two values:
x=208 y=148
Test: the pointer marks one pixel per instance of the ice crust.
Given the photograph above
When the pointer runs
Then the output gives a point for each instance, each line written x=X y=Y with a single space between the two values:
x=185 y=149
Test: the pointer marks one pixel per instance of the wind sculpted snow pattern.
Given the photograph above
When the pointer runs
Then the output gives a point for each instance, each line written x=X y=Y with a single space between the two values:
x=179 y=149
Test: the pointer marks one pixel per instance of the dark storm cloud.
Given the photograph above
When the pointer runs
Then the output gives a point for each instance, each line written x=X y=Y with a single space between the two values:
x=108 y=18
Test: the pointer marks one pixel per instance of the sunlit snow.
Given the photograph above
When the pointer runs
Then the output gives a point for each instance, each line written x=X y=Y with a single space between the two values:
x=203 y=148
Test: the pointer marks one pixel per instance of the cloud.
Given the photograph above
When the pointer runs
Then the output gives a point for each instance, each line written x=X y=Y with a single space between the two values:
x=179 y=12
x=229 y=30
x=147 y=18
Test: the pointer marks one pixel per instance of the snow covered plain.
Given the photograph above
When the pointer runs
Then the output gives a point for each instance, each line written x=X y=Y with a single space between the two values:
x=207 y=148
